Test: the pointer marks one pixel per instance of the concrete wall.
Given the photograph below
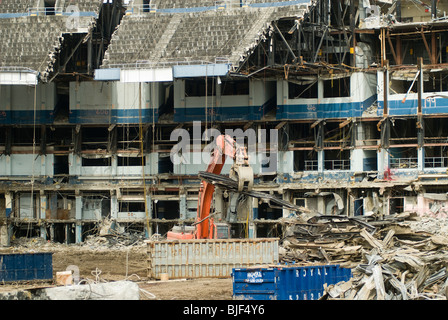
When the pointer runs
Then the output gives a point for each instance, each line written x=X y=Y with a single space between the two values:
x=27 y=104
x=104 y=102
x=427 y=204
x=362 y=96
x=77 y=169
x=252 y=106
x=27 y=165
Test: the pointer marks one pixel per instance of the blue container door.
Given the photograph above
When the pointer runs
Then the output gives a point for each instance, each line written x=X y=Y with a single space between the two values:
x=255 y=284
x=19 y=267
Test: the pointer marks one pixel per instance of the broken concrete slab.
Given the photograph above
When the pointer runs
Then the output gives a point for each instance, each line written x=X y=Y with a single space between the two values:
x=119 y=290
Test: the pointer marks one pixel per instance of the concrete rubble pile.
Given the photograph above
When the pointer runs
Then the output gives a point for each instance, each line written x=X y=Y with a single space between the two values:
x=110 y=235
x=401 y=257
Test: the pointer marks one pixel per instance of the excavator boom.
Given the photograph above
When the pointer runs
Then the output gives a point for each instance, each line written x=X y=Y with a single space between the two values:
x=205 y=227
x=224 y=148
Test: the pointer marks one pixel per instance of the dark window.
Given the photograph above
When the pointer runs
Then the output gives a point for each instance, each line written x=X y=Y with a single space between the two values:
x=199 y=88
x=337 y=88
x=101 y=162
x=234 y=88
x=146 y=7
x=305 y=91
x=49 y=7
x=131 y=161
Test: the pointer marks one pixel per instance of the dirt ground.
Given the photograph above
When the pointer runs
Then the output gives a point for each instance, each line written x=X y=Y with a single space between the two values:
x=103 y=264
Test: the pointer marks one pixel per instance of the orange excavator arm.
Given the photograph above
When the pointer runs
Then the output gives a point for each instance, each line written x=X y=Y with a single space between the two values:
x=224 y=148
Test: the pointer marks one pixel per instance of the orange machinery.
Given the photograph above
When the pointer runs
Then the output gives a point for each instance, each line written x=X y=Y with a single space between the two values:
x=205 y=227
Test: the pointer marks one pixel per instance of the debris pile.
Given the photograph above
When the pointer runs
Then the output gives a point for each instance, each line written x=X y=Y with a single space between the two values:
x=110 y=235
x=403 y=257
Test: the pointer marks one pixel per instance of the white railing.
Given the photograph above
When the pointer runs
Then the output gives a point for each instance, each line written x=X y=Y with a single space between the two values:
x=311 y=165
x=45 y=11
x=337 y=164
x=146 y=64
x=436 y=162
x=403 y=163
x=17 y=69
x=141 y=8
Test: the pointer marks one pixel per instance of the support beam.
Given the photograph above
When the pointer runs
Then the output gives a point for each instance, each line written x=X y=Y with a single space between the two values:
x=385 y=87
x=399 y=50
x=430 y=54
x=284 y=41
x=392 y=49
x=433 y=56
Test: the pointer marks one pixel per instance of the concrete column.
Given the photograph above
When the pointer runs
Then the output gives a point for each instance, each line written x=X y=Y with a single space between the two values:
x=148 y=228
x=78 y=217
x=8 y=204
x=357 y=160
x=320 y=161
x=5 y=239
x=252 y=231
x=420 y=204
x=8 y=166
x=255 y=208
x=114 y=206
x=383 y=162
x=285 y=196
x=421 y=159
x=42 y=214
x=321 y=205
x=183 y=206
x=75 y=163
x=114 y=165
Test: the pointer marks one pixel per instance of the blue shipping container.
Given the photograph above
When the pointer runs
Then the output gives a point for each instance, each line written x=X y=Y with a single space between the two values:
x=26 y=267
x=285 y=282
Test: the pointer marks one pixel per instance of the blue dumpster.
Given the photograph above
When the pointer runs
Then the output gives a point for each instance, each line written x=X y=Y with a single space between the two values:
x=26 y=266
x=286 y=282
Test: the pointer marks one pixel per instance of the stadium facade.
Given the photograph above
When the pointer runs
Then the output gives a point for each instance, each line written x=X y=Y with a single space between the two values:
x=92 y=91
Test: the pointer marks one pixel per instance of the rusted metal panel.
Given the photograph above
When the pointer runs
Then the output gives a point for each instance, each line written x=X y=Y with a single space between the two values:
x=208 y=258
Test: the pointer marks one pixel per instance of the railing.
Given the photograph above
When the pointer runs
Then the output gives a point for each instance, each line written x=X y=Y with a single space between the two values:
x=311 y=165
x=17 y=69
x=146 y=64
x=436 y=162
x=395 y=163
x=45 y=11
x=337 y=164
x=141 y=8
x=403 y=163
x=429 y=140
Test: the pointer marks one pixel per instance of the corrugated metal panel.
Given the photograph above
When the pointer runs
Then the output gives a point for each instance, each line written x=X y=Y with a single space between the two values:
x=26 y=267
x=286 y=282
x=208 y=258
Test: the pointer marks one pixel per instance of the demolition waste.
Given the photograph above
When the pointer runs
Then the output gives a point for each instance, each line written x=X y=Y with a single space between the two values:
x=398 y=257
